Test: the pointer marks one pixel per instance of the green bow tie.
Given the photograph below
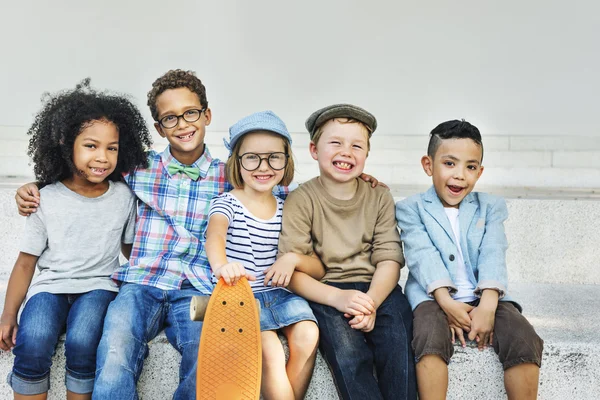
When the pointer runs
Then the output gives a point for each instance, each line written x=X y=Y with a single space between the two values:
x=192 y=172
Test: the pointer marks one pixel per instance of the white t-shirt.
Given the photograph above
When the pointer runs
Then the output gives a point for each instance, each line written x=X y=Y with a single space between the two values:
x=461 y=279
x=251 y=241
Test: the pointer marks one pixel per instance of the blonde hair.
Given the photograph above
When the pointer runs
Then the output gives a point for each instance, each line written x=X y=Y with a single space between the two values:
x=342 y=120
x=233 y=164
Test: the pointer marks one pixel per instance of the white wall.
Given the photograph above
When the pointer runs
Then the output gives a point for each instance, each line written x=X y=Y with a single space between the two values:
x=515 y=67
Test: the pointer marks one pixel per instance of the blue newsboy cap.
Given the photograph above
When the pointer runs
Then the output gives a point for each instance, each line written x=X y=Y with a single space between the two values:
x=259 y=121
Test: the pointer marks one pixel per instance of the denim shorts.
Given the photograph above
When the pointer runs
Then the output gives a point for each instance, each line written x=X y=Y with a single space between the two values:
x=280 y=308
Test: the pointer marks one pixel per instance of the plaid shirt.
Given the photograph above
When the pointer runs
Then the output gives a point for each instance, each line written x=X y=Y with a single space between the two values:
x=172 y=216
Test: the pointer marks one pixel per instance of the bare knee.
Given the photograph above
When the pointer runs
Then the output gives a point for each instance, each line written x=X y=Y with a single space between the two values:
x=303 y=337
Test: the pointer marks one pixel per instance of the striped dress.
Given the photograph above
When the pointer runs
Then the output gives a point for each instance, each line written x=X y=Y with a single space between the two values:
x=251 y=241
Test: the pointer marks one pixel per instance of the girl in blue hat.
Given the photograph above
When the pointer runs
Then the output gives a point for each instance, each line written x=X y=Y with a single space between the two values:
x=242 y=239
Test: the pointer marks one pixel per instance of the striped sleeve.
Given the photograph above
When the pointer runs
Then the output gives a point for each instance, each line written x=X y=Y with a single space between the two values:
x=221 y=205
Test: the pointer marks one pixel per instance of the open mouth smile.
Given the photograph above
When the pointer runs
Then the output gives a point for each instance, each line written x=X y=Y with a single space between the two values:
x=98 y=171
x=344 y=166
x=187 y=137
x=455 y=189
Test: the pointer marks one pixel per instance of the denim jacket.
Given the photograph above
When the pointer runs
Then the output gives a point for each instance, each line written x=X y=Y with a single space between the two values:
x=431 y=251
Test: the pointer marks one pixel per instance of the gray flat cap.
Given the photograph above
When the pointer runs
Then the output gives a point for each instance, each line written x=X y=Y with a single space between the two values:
x=323 y=115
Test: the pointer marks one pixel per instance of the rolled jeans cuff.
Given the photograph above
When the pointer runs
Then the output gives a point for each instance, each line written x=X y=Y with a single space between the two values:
x=79 y=385
x=28 y=387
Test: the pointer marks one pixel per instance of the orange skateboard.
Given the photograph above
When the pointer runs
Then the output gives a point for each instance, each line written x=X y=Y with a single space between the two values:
x=230 y=353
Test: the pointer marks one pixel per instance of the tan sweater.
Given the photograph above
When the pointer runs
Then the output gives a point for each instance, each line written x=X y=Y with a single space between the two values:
x=349 y=236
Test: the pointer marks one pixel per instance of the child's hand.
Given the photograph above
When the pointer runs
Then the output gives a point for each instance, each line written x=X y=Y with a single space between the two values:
x=482 y=325
x=232 y=273
x=458 y=314
x=373 y=180
x=458 y=333
x=8 y=332
x=362 y=322
x=353 y=302
x=280 y=272
x=28 y=199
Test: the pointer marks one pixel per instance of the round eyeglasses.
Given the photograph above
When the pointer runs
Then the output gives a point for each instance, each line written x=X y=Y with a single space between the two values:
x=251 y=161
x=171 y=121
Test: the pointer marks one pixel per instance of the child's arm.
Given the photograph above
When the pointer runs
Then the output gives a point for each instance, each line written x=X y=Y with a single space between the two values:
x=457 y=313
x=126 y=249
x=483 y=317
x=216 y=240
x=281 y=271
x=424 y=260
x=491 y=264
x=129 y=231
x=19 y=281
x=352 y=302
x=384 y=280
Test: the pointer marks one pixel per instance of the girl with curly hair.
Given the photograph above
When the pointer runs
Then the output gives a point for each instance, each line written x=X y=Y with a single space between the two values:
x=82 y=141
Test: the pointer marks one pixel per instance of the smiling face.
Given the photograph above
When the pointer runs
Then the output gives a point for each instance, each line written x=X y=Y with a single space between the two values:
x=186 y=138
x=455 y=169
x=264 y=178
x=95 y=152
x=341 y=150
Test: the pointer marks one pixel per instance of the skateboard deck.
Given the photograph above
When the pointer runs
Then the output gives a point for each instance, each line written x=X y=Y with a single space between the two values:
x=230 y=353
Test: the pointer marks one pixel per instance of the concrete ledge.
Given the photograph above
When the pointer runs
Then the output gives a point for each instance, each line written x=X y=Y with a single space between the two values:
x=563 y=315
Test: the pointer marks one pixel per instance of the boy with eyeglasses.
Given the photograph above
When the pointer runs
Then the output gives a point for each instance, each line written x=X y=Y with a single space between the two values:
x=168 y=263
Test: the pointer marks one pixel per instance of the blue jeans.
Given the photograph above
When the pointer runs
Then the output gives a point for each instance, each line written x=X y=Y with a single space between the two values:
x=44 y=318
x=136 y=316
x=351 y=354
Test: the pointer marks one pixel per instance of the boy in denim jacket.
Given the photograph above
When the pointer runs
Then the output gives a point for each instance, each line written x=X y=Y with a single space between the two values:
x=455 y=248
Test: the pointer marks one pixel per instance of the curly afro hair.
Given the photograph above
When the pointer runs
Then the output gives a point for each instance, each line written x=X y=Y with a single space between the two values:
x=175 y=79
x=65 y=114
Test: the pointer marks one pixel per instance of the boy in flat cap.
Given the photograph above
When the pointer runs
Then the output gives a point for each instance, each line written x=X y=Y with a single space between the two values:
x=364 y=317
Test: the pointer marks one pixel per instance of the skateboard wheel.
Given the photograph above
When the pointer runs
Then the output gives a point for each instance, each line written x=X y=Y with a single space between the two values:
x=258 y=308
x=198 y=307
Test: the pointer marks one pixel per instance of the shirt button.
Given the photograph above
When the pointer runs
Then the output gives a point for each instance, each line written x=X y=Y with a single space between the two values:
x=451 y=257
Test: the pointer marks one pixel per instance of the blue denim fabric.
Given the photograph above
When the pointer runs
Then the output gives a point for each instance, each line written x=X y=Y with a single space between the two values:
x=280 y=308
x=136 y=316
x=44 y=318
x=351 y=354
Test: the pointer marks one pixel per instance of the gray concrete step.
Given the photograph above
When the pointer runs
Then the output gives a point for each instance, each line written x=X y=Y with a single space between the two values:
x=565 y=316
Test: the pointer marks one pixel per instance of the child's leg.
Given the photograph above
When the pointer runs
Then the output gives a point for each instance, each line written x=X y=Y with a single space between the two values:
x=432 y=377
x=275 y=382
x=84 y=329
x=42 y=321
x=303 y=339
x=184 y=335
x=520 y=351
x=391 y=342
x=432 y=349
x=133 y=318
x=521 y=381
x=346 y=351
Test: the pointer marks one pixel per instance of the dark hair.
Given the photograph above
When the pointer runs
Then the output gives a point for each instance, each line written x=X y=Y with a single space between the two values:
x=175 y=79
x=65 y=114
x=454 y=129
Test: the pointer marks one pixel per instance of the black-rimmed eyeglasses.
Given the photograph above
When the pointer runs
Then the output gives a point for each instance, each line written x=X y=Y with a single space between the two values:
x=251 y=161
x=171 y=121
